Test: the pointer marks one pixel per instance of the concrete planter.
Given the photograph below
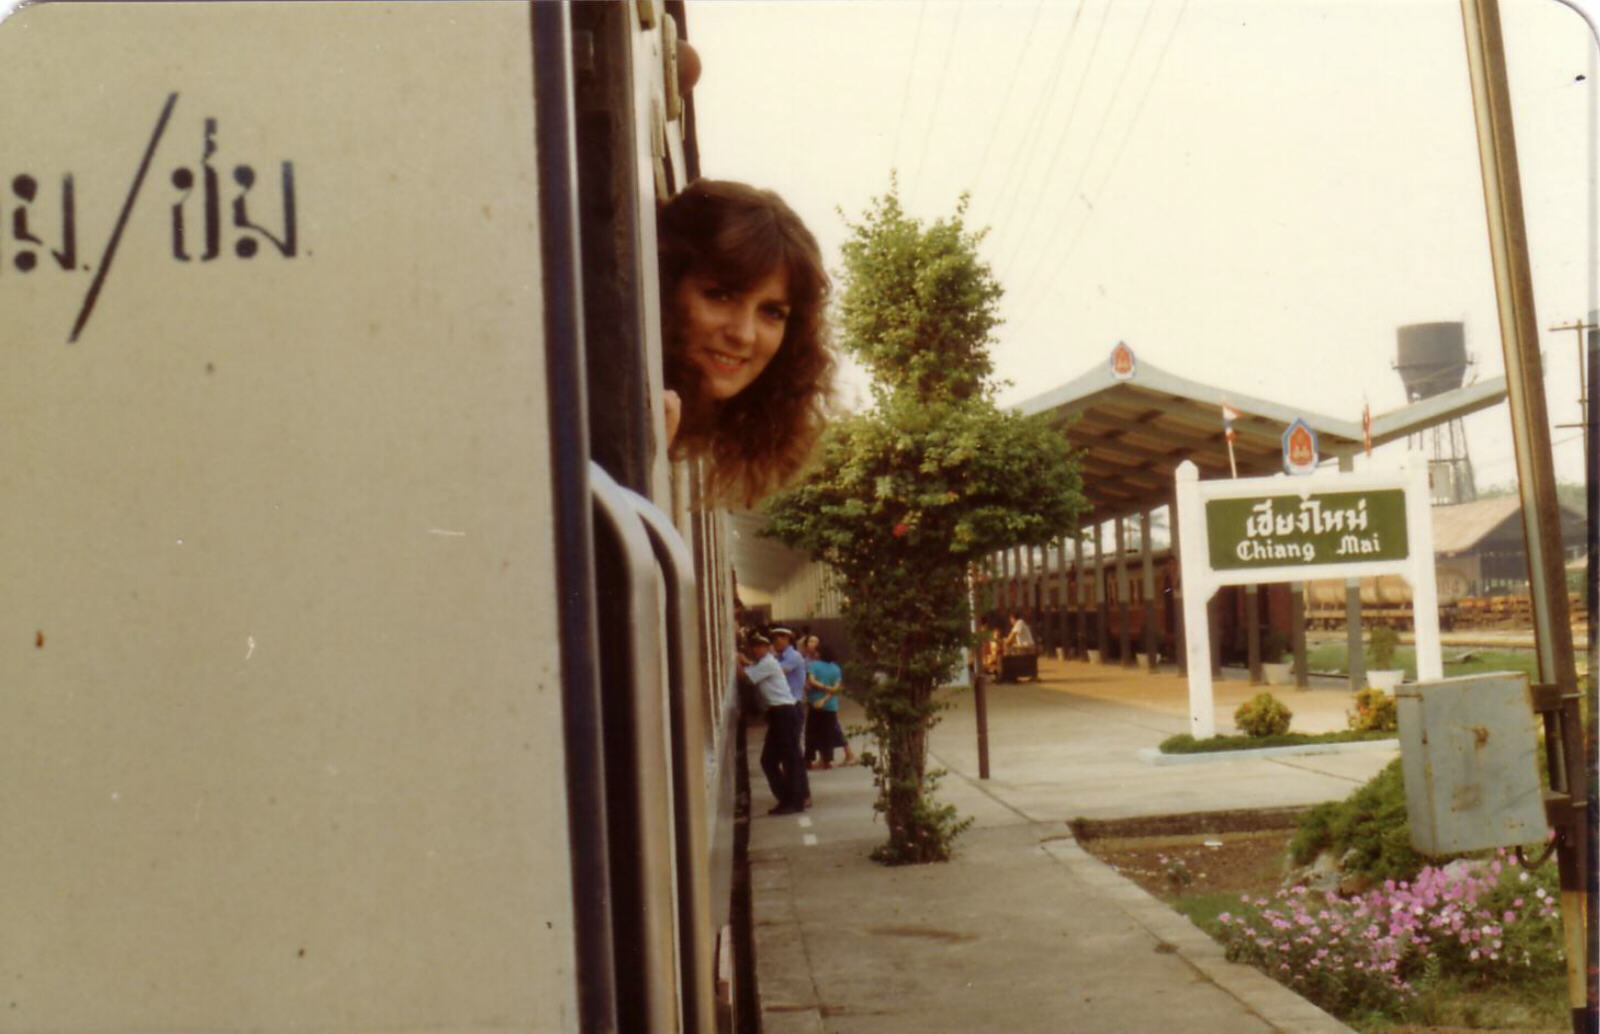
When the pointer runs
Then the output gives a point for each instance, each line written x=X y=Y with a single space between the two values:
x=1278 y=674
x=1385 y=679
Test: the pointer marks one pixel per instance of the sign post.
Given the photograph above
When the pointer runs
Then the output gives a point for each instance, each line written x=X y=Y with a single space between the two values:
x=1322 y=525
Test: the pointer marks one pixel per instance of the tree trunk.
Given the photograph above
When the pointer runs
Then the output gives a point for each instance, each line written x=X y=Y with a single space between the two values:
x=909 y=840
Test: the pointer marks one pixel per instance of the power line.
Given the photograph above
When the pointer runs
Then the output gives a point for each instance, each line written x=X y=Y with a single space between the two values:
x=1005 y=103
x=1078 y=96
x=1127 y=135
x=1033 y=119
x=905 y=95
x=1088 y=158
x=1122 y=145
x=938 y=97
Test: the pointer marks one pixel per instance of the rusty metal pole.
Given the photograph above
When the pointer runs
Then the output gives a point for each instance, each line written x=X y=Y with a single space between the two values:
x=1591 y=477
x=980 y=700
x=1530 y=432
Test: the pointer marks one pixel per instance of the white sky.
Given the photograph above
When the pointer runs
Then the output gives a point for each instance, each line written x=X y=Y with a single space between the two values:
x=1253 y=193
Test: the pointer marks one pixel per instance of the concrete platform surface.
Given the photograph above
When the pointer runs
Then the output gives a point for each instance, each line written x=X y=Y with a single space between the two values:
x=1022 y=930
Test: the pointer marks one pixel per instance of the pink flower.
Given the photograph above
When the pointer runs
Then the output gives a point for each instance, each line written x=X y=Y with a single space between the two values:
x=900 y=529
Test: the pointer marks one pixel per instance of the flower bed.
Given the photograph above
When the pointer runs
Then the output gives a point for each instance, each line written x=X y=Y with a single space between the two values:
x=1477 y=923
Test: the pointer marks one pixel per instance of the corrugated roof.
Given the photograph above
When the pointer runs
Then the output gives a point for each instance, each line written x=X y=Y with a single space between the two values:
x=1459 y=527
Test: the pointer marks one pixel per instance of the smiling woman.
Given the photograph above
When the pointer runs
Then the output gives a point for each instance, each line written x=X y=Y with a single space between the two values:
x=743 y=293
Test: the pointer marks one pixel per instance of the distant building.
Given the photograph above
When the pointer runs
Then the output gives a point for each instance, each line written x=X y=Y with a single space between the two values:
x=1479 y=548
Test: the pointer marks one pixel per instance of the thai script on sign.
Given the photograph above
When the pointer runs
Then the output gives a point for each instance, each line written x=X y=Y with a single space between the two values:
x=1330 y=527
x=1312 y=518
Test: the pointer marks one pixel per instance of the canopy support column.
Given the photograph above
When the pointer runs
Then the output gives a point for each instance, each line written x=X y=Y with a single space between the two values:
x=1125 y=631
x=1297 y=633
x=1151 y=602
x=1252 y=632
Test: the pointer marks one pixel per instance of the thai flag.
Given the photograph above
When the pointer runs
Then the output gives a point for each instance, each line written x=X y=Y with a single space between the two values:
x=1229 y=415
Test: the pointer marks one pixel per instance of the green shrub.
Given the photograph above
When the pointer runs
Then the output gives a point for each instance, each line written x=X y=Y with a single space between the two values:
x=1369 y=827
x=1274 y=647
x=1375 y=712
x=1263 y=715
x=1381 y=645
x=1185 y=743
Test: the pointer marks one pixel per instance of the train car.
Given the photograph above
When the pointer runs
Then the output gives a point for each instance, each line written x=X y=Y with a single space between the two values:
x=1056 y=607
x=363 y=663
x=1385 y=599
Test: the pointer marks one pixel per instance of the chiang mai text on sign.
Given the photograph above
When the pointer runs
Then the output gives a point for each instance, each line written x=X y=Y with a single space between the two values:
x=1322 y=528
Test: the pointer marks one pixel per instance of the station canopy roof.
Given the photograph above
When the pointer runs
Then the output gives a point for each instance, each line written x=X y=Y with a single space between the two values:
x=1133 y=432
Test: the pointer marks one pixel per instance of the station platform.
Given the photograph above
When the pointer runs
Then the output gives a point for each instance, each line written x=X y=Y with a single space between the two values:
x=1023 y=930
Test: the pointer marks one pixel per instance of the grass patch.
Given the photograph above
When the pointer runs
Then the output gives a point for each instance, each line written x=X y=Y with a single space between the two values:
x=1534 y=1004
x=1203 y=908
x=1334 y=657
x=1183 y=743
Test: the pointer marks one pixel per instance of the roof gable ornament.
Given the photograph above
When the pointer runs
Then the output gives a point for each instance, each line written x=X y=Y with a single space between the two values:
x=1300 y=448
x=1123 y=365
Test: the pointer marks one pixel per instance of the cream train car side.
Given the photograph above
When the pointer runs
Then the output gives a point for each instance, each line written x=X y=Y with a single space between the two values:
x=357 y=671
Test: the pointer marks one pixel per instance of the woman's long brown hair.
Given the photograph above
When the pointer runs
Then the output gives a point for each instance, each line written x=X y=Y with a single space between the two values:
x=758 y=440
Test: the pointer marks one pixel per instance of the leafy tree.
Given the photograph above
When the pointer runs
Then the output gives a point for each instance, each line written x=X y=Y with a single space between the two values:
x=908 y=495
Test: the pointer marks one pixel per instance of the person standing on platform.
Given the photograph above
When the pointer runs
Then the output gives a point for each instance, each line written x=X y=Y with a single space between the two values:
x=794 y=669
x=780 y=755
x=824 y=680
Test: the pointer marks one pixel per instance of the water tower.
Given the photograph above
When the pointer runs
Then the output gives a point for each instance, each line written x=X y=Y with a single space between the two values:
x=1433 y=359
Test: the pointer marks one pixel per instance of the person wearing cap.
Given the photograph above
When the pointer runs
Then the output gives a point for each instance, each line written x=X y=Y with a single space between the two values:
x=794 y=669
x=781 y=760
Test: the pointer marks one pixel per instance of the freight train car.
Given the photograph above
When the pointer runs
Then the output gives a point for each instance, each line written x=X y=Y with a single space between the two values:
x=361 y=668
x=1385 y=599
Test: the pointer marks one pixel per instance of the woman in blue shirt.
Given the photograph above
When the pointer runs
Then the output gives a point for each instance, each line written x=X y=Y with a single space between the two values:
x=824 y=681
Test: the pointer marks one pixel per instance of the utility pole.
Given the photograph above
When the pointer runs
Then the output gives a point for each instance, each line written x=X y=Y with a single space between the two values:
x=1569 y=804
x=1583 y=382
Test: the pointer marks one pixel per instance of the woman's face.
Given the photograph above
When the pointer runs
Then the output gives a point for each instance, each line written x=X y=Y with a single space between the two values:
x=731 y=335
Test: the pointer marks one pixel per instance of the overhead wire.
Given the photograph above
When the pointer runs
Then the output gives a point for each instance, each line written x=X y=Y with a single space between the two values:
x=1059 y=63
x=1116 y=158
x=1073 y=195
x=938 y=96
x=1005 y=102
x=905 y=95
x=1127 y=134
x=1055 y=155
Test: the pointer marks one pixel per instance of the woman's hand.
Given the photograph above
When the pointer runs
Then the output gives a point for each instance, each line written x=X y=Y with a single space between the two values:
x=672 y=411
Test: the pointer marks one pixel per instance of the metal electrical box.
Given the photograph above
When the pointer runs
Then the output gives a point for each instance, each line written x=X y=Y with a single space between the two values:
x=1469 y=752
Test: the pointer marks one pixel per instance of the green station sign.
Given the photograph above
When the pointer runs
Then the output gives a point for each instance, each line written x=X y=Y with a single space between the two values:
x=1316 y=530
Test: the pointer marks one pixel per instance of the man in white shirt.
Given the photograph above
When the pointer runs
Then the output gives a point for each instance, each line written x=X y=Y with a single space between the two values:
x=794 y=669
x=1020 y=638
x=781 y=759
